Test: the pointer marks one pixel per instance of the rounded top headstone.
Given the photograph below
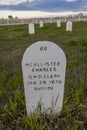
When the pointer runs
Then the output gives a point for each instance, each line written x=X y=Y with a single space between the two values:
x=43 y=67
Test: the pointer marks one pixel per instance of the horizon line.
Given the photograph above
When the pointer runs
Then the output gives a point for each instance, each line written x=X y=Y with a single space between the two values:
x=34 y=14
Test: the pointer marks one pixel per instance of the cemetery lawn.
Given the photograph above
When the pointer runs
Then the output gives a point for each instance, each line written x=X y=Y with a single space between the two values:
x=14 y=40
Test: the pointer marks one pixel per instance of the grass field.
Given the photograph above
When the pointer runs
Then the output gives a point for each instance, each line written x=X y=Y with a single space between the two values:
x=13 y=42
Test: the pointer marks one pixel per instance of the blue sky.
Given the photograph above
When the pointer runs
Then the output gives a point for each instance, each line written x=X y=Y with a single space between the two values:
x=44 y=5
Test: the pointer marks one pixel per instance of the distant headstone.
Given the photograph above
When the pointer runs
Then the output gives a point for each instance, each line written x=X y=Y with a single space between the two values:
x=58 y=23
x=43 y=67
x=41 y=24
x=69 y=26
x=31 y=28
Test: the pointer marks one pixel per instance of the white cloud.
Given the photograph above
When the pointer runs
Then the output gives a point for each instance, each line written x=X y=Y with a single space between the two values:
x=71 y=0
x=12 y=2
x=31 y=0
x=16 y=2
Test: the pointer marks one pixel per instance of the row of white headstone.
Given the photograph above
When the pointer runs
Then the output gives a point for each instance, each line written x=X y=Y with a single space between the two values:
x=68 y=25
x=32 y=29
x=41 y=24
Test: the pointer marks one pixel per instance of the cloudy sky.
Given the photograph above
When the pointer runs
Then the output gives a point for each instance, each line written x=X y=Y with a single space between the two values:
x=44 y=5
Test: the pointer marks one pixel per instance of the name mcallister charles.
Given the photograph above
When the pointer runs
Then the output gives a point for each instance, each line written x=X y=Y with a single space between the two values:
x=42 y=66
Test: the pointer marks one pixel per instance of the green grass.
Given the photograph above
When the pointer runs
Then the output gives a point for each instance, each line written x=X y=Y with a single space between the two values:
x=13 y=42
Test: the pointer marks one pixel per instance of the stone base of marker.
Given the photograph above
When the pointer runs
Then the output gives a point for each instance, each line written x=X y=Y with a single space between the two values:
x=43 y=67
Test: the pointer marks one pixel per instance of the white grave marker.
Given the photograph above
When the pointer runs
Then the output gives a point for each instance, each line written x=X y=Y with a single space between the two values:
x=44 y=66
x=41 y=24
x=31 y=28
x=69 y=26
x=58 y=23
